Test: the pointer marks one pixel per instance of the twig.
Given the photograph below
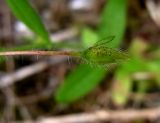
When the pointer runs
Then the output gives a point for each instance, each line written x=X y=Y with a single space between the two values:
x=102 y=115
x=11 y=103
x=8 y=113
x=153 y=8
x=23 y=110
x=22 y=73
x=40 y=53
x=64 y=34
x=59 y=36
x=6 y=22
x=143 y=75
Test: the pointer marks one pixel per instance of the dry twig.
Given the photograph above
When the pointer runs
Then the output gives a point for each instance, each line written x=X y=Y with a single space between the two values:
x=25 y=72
x=153 y=7
x=102 y=115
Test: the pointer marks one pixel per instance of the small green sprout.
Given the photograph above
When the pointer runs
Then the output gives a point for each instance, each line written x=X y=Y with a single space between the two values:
x=101 y=55
x=98 y=54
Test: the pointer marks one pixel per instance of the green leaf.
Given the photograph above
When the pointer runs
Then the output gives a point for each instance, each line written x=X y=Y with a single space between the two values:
x=123 y=80
x=122 y=87
x=113 y=21
x=135 y=65
x=78 y=84
x=26 y=13
x=85 y=83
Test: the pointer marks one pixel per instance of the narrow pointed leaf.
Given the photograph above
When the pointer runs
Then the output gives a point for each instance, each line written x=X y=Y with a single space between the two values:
x=78 y=84
x=113 y=21
x=23 y=10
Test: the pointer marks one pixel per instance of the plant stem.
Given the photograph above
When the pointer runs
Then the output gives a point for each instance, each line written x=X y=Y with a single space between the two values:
x=41 y=53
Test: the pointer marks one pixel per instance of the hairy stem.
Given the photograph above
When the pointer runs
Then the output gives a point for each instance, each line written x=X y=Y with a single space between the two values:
x=41 y=53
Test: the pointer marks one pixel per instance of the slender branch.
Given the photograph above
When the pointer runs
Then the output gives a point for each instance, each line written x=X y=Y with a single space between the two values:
x=25 y=72
x=41 y=53
x=102 y=115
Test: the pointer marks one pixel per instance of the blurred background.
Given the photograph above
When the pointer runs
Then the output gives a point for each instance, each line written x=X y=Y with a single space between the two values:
x=41 y=89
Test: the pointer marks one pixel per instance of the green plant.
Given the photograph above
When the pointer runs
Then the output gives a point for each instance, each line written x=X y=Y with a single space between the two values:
x=27 y=14
x=81 y=81
x=98 y=54
x=84 y=78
